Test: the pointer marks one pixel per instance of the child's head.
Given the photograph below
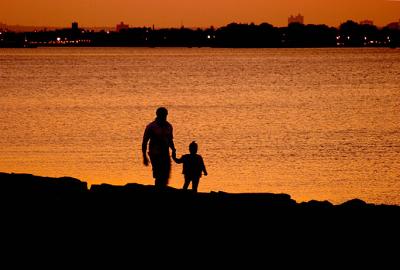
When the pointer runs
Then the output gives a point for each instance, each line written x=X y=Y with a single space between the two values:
x=193 y=147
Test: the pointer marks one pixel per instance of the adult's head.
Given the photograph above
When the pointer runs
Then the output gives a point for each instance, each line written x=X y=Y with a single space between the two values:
x=193 y=147
x=161 y=114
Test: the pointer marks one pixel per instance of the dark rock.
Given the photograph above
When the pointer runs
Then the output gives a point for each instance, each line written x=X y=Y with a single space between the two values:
x=354 y=203
x=63 y=208
x=253 y=200
x=24 y=187
x=27 y=184
x=320 y=205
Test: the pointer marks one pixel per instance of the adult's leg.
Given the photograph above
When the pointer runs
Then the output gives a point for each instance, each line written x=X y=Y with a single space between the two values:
x=161 y=182
x=186 y=184
x=195 y=184
x=161 y=165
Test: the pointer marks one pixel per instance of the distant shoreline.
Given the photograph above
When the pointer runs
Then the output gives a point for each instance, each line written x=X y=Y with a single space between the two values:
x=233 y=35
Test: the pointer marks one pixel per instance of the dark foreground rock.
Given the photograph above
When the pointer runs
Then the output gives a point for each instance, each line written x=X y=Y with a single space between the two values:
x=27 y=187
x=56 y=211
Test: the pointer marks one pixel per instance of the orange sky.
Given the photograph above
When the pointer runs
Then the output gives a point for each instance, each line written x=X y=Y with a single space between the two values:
x=193 y=13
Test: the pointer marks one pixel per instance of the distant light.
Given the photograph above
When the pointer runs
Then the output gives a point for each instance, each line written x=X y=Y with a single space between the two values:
x=348 y=37
x=338 y=37
x=365 y=38
x=58 y=39
x=208 y=36
x=1 y=33
x=83 y=32
x=388 y=38
x=108 y=32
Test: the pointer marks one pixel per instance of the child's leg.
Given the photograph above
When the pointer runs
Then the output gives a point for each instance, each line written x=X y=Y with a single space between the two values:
x=187 y=182
x=195 y=184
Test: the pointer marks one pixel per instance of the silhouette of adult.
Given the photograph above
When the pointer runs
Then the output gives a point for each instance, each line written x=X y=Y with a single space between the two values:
x=160 y=134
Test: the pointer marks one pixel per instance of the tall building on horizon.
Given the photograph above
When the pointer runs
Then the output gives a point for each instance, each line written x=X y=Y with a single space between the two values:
x=75 y=26
x=296 y=19
x=121 y=26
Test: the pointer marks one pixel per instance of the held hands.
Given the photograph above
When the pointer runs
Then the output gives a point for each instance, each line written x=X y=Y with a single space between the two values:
x=174 y=154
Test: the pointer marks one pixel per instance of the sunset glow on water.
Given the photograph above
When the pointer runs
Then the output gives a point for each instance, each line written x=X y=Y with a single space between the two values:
x=314 y=123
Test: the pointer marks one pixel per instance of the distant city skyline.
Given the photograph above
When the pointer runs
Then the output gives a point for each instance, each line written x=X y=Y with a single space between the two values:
x=175 y=13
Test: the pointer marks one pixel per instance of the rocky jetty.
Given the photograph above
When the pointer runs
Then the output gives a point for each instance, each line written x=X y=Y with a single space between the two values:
x=63 y=214
x=30 y=187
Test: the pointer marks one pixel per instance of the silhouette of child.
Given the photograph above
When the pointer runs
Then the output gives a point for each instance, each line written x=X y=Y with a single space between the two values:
x=193 y=166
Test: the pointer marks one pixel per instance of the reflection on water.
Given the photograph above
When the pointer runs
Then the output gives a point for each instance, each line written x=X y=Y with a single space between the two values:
x=314 y=123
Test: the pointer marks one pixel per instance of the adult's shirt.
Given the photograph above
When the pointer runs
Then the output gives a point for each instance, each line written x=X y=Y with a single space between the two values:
x=160 y=136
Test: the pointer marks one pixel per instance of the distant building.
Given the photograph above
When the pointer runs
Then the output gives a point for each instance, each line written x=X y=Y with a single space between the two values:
x=296 y=19
x=121 y=26
x=75 y=26
x=367 y=22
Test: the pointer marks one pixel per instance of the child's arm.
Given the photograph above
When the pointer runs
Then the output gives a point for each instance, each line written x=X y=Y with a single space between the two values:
x=177 y=160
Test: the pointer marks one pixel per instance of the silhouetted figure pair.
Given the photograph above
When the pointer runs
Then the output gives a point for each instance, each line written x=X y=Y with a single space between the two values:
x=193 y=167
x=159 y=135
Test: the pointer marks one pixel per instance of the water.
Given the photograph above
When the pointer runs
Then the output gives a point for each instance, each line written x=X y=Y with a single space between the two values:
x=314 y=123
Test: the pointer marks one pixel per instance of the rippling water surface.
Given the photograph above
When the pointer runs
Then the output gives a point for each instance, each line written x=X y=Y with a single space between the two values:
x=313 y=123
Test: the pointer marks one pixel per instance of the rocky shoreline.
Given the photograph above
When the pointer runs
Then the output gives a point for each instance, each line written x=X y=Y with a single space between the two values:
x=71 y=192
x=59 y=213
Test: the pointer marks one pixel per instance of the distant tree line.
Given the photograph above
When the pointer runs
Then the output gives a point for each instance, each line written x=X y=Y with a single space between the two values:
x=233 y=35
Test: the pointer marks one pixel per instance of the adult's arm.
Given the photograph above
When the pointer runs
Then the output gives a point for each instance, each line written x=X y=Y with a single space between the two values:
x=146 y=138
x=171 y=140
x=204 y=167
x=177 y=160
